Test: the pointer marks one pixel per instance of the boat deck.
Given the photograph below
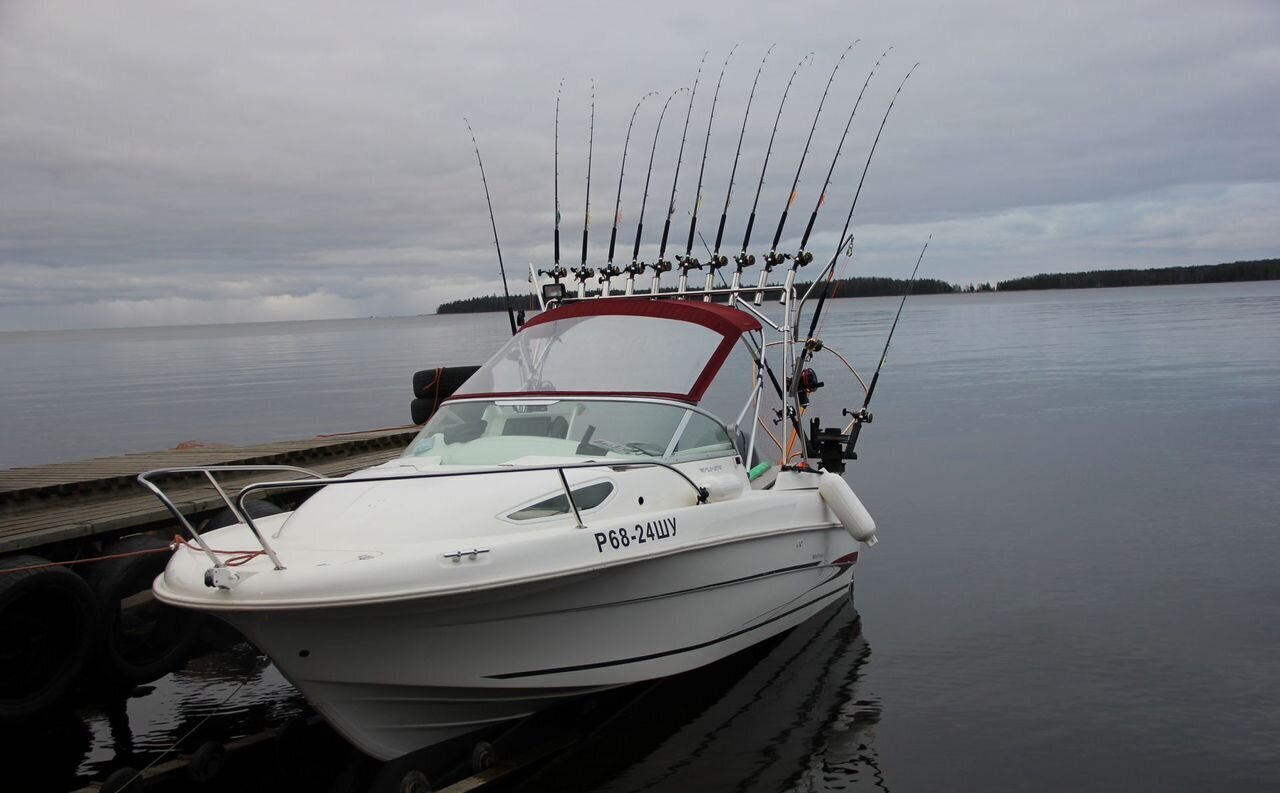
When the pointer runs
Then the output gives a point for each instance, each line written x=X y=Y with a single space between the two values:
x=52 y=503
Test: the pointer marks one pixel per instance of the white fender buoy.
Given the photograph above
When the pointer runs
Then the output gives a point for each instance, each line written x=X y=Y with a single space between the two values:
x=721 y=486
x=852 y=515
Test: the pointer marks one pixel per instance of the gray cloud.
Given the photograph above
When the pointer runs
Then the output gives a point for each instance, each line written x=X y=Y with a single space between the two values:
x=235 y=161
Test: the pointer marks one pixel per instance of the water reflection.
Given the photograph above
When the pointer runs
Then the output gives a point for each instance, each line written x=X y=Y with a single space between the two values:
x=221 y=696
x=789 y=714
x=786 y=715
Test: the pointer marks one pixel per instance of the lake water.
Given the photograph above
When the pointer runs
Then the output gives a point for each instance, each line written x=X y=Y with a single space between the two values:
x=1078 y=580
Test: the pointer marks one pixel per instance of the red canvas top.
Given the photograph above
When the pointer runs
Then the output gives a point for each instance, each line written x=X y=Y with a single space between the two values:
x=616 y=347
x=722 y=319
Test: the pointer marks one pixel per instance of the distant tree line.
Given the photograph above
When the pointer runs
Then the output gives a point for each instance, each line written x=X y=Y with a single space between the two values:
x=1260 y=270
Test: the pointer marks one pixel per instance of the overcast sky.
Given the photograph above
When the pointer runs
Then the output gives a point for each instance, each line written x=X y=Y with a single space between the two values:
x=168 y=162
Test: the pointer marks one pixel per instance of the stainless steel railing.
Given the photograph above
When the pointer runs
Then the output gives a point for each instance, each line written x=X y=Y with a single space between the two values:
x=237 y=503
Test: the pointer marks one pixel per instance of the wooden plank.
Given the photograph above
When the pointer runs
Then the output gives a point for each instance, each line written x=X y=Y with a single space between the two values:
x=47 y=520
x=58 y=478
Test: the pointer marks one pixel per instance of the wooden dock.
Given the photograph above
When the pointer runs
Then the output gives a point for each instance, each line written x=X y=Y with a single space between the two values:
x=60 y=502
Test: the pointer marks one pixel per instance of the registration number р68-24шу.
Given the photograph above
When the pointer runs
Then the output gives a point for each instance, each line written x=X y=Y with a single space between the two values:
x=638 y=534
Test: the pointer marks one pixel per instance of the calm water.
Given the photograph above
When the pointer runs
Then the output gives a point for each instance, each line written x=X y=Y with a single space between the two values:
x=1077 y=587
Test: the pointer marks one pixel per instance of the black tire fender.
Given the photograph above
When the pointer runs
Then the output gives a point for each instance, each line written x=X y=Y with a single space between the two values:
x=142 y=639
x=450 y=378
x=48 y=624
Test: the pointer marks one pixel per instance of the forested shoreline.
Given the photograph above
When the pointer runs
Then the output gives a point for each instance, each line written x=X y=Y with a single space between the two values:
x=1257 y=270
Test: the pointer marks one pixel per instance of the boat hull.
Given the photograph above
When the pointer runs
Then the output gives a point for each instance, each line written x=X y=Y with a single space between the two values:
x=394 y=677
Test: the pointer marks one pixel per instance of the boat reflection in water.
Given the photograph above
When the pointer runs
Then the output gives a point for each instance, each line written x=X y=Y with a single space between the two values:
x=787 y=714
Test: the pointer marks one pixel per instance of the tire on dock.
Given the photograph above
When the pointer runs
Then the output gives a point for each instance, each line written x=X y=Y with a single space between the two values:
x=142 y=639
x=47 y=626
x=432 y=386
x=441 y=382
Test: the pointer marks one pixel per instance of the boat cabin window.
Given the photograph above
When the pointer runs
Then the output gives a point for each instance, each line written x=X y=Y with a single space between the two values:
x=494 y=432
x=585 y=498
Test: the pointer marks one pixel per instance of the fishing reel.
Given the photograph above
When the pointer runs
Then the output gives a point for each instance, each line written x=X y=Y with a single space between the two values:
x=555 y=273
x=744 y=261
x=716 y=262
x=688 y=263
x=660 y=266
x=772 y=259
x=583 y=273
x=802 y=258
x=806 y=384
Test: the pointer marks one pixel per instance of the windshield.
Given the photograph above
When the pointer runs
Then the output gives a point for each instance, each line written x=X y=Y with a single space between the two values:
x=503 y=431
x=613 y=354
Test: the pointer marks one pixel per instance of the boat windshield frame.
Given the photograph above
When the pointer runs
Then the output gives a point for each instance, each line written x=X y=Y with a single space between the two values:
x=729 y=324
x=681 y=412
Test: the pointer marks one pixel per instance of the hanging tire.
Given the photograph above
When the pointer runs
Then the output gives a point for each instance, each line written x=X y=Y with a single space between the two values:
x=450 y=379
x=142 y=638
x=225 y=517
x=47 y=627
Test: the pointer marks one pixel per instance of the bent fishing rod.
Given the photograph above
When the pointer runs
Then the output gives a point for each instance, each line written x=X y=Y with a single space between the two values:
x=688 y=262
x=803 y=256
x=661 y=265
x=743 y=260
x=854 y=204
x=609 y=271
x=636 y=267
x=862 y=416
x=717 y=261
x=511 y=317
x=827 y=441
x=582 y=272
x=773 y=258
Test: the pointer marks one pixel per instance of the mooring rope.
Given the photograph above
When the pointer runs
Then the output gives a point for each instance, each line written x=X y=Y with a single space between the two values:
x=236 y=558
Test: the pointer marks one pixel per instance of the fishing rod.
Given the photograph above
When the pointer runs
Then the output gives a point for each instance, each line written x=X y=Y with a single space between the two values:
x=831 y=445
x=717 y=261
x=636 y=267
x=688 y=262
x=862 y=416
x=844 y=233
x=661 y=265
x=803 y=256
x=583 y=272
x=556 y=262
x=742 y=259
x=773 y=258
x=501 y=268
x=609 y=271
x=557 y=272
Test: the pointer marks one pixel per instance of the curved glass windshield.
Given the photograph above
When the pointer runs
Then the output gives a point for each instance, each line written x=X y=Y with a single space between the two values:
x=505 y=431
x=603 y=354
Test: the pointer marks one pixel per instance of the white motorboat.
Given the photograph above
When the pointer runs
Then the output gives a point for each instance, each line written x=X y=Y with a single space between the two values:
x=573 y=518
